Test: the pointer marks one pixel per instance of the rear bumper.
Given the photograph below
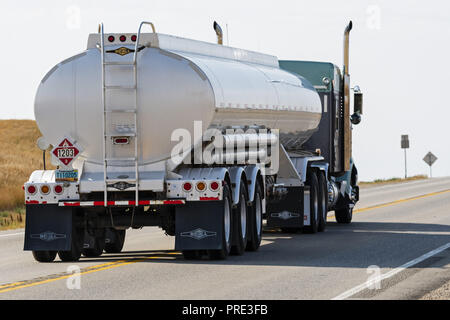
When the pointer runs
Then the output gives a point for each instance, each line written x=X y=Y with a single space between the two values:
x=120 y=203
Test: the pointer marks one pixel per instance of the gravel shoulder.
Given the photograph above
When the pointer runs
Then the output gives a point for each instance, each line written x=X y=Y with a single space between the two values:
x=442 y=293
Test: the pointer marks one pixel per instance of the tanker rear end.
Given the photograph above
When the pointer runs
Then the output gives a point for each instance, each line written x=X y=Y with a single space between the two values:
x=202 y=140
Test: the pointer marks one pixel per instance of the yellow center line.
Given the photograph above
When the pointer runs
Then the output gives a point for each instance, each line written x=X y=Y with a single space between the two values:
x=120 y=263
x=11 y=284
x=387 y=204
x=86 y=268
x=101 y=267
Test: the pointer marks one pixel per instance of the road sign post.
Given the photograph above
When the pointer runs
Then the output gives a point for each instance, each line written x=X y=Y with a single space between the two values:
x=430 y=159
x=405 y=145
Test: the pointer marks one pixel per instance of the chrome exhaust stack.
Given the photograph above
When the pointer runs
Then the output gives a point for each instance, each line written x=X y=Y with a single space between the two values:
x=219 y=32
x=346 y=92
x=346 y=46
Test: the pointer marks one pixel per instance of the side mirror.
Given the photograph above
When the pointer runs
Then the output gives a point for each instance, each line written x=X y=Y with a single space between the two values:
x=355 y=118
x=358 y=102
x=357 y=106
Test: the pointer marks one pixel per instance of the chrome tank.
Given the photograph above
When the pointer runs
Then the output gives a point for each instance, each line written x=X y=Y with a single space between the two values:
x=179 y=81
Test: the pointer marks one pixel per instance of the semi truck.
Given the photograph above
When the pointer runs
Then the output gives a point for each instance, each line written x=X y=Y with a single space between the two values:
x=208 y=142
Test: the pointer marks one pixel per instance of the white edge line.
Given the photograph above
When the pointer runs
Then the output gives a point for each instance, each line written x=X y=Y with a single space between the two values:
x=391 y=273
x=11 y=234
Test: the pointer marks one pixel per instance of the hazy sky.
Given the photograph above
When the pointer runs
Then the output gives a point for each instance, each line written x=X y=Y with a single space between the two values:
x=400 y=57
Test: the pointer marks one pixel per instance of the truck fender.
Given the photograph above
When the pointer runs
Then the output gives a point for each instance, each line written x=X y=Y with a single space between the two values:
x=252 y=173
x=346 y=179
x=204 y=173
x=321 y=166
x=302 y=164
x=236 y=174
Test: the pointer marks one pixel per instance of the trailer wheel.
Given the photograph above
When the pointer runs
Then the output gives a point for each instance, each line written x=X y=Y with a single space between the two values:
x=344 y=215
x=44 y=256
x=97 y=250
x=227 y=227
x=241 y=218
x=314 y=203
x=323 y=201
x=117 y=245
x=74 y=253
x=191 y=254
x=255 y=221
x=290 y=230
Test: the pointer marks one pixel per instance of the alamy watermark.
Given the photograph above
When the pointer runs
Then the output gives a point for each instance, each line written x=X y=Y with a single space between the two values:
x=73 y=17
x=230 y=146
x=374 y=280
x=373 y=17
x=74 y=280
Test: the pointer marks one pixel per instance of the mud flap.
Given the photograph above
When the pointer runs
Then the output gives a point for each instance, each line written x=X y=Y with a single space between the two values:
x=288 y=212
x=110 y=236
x=199 y=225
x=48 y=227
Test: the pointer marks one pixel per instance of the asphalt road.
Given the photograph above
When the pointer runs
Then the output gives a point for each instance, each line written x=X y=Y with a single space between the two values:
x=399 y=237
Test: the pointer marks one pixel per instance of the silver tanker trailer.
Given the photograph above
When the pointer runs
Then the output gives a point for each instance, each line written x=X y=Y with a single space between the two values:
x=202 y=140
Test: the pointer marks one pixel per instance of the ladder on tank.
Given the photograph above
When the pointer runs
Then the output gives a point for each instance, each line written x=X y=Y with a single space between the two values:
x=108 y=133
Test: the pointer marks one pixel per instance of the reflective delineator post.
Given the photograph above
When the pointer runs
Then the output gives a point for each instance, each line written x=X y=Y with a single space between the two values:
x=405 y=145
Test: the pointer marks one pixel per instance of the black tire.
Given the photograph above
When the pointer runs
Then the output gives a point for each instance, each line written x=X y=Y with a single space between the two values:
x=323 y=201
x=44 y=256
x=241 y=222
x=74 y=253
x=290 y=230
x=344 y=215
x=255 y=221
x=223 y=253
x=191 y=254
x=97 y=250
x=314 y=203
x=117 y=245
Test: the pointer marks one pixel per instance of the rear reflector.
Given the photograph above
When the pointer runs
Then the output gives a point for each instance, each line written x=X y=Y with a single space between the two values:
x=121 y=140
x=209 y=198
x=201 y=186
x=187 y=186
x=58 y=189
x=31 y=189
x=45 y=189
x=214 y=186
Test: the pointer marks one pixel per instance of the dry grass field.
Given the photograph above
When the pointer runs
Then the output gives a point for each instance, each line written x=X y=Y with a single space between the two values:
x=19 y=157
x=391 y=180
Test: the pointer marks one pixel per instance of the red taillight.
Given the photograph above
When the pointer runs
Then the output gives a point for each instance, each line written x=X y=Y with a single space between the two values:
x=133 y=38
x=123 y=38
x=31 y=189
x=214 y=186
x=121 y=140
x=187 y=186
x=58 y=189
x=111 y=38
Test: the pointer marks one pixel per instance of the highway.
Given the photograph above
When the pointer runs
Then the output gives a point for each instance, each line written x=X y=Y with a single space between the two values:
x=400 y=233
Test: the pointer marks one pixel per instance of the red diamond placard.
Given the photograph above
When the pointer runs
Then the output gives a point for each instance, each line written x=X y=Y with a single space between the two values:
x=66 y=151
